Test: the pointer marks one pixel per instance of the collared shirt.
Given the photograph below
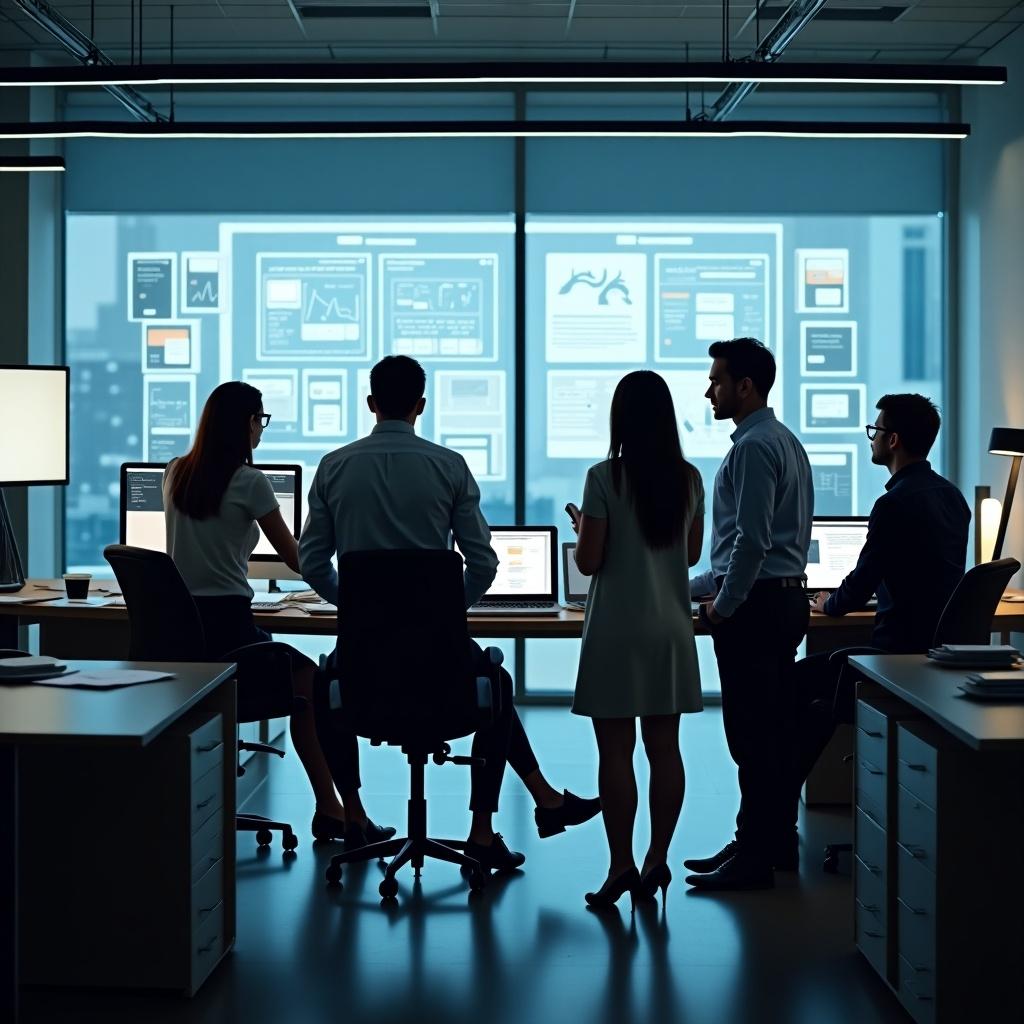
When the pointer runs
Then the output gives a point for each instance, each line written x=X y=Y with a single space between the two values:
x=913 y=558
x=394 y=490
x=761 y=513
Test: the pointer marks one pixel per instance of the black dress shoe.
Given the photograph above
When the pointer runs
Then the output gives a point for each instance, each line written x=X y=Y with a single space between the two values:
x=358 y=836
x=496 y=856
x=573 y=811
x=326 y=827
x=704 y=865
x=737 y=873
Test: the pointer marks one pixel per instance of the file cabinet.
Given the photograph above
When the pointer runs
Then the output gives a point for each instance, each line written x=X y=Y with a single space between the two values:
x=132 y=884
x=938 y=865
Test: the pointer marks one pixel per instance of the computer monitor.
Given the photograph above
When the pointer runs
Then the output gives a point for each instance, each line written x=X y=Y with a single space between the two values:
x=836 y=543
x=527 y=563
x=34 y=425
x=142 y=512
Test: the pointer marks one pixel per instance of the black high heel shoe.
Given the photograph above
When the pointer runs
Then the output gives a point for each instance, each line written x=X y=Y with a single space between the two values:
x=609 y=893
x=657 y=878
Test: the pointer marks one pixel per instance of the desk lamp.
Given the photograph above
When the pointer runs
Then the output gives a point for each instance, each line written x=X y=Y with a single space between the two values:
x=34 y=403
x=1007 y=441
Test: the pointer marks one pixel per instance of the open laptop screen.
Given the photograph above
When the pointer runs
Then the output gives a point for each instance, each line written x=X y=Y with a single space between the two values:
x=836 y=545
x=527 y=566
x=142 y=505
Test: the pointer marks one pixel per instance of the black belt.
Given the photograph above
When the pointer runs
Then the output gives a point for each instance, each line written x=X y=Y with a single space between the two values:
x=774 y=583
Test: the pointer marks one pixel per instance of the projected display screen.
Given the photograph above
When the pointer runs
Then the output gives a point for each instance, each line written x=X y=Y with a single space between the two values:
x=162 y=308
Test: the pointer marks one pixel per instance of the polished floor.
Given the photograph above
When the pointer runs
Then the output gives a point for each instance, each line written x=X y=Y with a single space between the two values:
x=526 y=952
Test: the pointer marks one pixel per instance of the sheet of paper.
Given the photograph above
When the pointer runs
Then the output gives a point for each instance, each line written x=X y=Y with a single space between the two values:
x=30 y=599
x=108 y=679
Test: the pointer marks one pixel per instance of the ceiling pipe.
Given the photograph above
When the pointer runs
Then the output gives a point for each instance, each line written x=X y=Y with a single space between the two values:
x=83 y=49
x=785 y=30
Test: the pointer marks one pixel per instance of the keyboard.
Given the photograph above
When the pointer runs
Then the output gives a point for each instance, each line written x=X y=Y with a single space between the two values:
x=267 y=606
x=516 y=604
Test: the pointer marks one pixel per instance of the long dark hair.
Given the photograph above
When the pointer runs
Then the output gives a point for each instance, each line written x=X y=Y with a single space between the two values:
x=223 y=442
x=645 y=445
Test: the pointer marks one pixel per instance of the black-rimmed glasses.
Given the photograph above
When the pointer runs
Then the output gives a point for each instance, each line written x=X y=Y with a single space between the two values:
x=872 y=430
x=264 y=418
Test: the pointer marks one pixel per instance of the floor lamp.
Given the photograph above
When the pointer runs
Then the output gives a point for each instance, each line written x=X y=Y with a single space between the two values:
x=1006 y=441
x=34 y=402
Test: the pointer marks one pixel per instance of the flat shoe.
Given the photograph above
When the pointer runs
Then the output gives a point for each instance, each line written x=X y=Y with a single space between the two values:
x=326 y=827
x=574 y=811
x=496 y=856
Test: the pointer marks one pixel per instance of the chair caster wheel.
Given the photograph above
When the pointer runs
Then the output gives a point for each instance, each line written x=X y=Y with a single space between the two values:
x=264 y=837
x=388 y=889
x=333 y=874
x=289 y=840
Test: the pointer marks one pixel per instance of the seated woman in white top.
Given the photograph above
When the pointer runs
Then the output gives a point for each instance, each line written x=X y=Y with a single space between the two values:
x=213 y=501
x=641 y=528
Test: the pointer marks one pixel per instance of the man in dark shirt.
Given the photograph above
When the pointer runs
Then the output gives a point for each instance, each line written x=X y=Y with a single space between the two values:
x=916 y=547
x=913 y=558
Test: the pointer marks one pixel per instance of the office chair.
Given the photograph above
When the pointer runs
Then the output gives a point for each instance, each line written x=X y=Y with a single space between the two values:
x=406 y=675
x=966 y=619
x=164 y=625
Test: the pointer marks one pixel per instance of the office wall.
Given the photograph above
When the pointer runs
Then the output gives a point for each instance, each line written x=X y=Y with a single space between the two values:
x=991 y=364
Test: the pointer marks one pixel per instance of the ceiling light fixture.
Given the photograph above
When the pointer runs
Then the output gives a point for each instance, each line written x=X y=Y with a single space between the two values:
x=22 y=164
x=481 y=129
x=509 y=74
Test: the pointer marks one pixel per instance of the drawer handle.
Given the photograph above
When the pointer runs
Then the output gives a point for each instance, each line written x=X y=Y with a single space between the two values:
x=920 y=969
x=870 y=769
x=209 y=945
x=206 y=910
x=875 y=935
x=913 y=851
x=208 y=800
x=903 y=903
x=868 y=814
x=874 y=869
x=868 y=732
x=209 y=747
x=871 y=908
x=215 y=860
x=914 y=767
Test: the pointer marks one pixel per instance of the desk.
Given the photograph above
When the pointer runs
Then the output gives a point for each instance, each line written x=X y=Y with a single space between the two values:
x=939 y=830
x=85 y=878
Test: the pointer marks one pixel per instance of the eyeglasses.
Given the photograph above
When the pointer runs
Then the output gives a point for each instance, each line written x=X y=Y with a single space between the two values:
x=264 y=418
x=873 y=431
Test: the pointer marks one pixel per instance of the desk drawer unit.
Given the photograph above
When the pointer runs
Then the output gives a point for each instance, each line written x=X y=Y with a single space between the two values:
x=918 y=766
x=870 y=892
x=917 y=991
x=154 y=904
x=916 y=833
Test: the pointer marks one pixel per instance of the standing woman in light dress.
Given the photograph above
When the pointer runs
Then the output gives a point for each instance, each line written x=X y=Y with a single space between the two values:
x=640 y=530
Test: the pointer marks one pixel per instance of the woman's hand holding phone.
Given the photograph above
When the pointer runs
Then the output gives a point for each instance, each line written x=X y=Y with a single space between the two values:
x=574 y=515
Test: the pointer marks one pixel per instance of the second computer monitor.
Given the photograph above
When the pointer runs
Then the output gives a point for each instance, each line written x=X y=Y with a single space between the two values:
x=142 y=512
x=836 y=544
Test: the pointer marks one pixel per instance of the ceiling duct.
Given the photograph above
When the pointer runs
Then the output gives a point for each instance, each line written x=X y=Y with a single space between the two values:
x=785 y=30
x=83 y=49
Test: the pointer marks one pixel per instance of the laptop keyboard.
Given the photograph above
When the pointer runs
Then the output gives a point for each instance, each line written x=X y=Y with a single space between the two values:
x=515 y=604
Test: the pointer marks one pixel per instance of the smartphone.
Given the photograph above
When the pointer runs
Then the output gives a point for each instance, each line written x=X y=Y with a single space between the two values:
x=574 y=513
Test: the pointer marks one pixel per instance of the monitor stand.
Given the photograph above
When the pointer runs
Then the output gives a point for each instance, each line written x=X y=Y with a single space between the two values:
x=12 y=575
x=273 y=588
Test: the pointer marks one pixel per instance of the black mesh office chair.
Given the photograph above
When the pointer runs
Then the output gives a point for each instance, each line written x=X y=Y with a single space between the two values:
x=406 y=676
x=164 y=624
x=966 y=619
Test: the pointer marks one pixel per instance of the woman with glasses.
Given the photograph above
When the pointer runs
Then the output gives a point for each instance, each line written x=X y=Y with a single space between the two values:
x=215 y=504
x=640 y=530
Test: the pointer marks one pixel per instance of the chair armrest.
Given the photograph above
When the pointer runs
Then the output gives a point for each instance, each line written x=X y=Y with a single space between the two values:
x=843 y=654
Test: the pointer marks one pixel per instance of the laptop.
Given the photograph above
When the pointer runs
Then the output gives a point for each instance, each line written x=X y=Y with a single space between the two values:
x=577 y=586
x=142 y=514
x=836 y=544
x=527 y=579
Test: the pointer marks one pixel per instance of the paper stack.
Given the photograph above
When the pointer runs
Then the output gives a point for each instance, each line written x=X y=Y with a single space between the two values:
x=995 y=685
x=992 y=656
x=30 y=669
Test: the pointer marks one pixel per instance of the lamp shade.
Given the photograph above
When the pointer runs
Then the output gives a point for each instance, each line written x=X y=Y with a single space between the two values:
x=1006 y=441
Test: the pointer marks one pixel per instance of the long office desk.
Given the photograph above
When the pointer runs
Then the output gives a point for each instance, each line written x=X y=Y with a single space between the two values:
x=938 y=841
x=118 y=807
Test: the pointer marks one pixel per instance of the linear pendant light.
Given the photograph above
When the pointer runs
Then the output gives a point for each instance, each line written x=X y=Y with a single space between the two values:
x=533 y=73
x=23 y=164
x=481 y=129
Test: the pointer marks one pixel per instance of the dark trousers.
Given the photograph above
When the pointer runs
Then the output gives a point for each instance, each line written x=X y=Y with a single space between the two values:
x=503 y=742
x=756 y=648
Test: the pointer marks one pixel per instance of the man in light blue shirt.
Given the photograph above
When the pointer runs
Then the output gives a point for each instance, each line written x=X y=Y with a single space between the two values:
x=756 y=610
x=394 y=490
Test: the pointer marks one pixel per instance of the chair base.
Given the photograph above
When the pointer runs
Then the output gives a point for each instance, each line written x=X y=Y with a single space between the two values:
x=415 y=848
x=265 y=829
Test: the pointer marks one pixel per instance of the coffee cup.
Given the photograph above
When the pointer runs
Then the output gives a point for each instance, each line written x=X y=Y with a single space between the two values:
x=77 y=585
